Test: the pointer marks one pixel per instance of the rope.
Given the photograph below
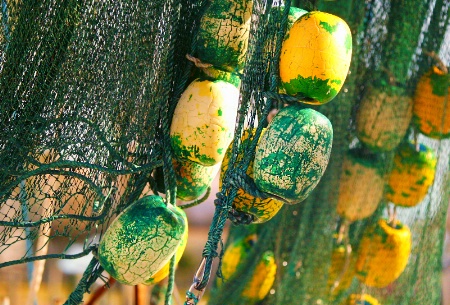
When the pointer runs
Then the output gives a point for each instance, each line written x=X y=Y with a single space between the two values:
x=198 y=201
x=191 y=298
x=100 y=291
x=223 y=203
x=240 y=179
x=169 y=291
x=236 y=177
x=90 y=275
x=48 y=256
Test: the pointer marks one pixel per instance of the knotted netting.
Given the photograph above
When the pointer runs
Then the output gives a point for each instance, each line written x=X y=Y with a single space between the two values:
x=87 y=88
x=88 y=93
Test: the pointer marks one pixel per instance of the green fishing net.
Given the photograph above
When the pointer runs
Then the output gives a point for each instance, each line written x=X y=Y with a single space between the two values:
x=88 y=90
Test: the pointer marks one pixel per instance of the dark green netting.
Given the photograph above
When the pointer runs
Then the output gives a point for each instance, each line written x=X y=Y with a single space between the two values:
x=390 y=42
x=87 y=93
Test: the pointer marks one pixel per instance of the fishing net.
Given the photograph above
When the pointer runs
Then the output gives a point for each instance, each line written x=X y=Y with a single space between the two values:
x=88 y=93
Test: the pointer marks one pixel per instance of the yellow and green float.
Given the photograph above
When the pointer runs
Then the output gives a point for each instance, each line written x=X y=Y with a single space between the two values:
x=383 y=253
x=222 y=40
x=204 y=120
x=141 y=240
x=315 y=57
x=431 y=108
x=412 y=174
x=383 y=117
x=193 y=179
x=263 y=276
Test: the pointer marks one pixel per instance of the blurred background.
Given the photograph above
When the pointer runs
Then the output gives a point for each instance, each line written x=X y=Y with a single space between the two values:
x=61 y=276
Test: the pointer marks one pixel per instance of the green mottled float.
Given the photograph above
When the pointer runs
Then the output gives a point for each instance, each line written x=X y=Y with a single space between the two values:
x=223 y=35
x=141 y=240
x=193 y=179
x=165 y=270
x=293 y=153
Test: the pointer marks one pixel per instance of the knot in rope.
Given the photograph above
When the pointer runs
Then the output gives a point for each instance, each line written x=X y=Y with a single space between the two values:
x=219 y=202
x=191 y=298
x=208 y=251
x=240 y=218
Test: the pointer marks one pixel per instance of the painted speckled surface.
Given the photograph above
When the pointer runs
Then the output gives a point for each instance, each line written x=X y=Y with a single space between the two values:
x=293 y=153
x=204 y=120
x=141 y=240
x=315 y=57
x=223 y=35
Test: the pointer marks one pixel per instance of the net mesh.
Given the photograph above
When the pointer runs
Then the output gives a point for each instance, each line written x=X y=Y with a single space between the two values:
x=88 y=91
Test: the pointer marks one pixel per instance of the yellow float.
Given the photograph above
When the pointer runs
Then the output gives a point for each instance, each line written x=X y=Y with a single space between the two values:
x=315 y=57
x=412 y=175
x=431 y=104
x=383 y=253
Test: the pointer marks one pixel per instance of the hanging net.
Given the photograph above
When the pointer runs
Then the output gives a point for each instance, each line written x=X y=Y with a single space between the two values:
x=336 y=190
